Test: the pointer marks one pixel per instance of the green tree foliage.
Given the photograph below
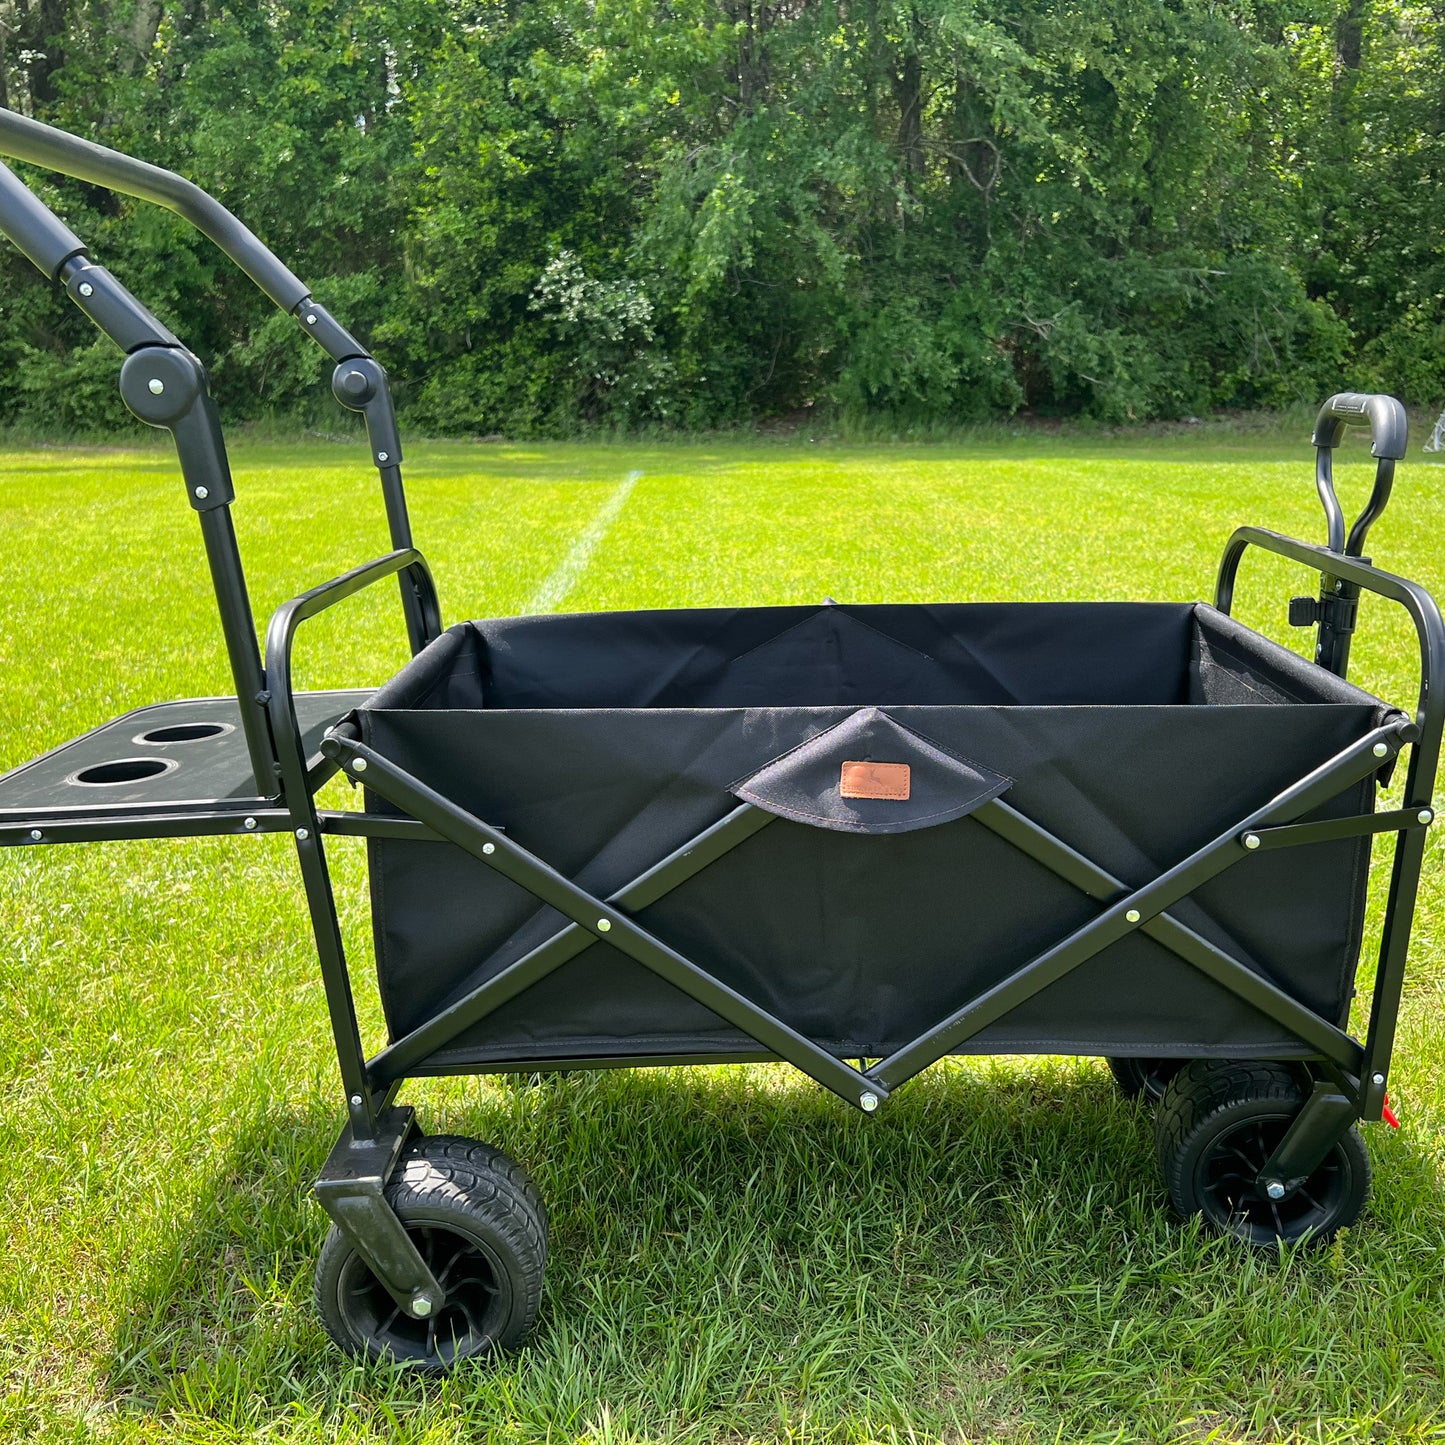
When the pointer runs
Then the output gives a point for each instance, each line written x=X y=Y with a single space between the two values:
x=548 y=214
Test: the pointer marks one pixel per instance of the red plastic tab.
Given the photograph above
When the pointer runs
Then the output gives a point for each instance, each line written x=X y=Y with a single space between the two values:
x=1388 y=1114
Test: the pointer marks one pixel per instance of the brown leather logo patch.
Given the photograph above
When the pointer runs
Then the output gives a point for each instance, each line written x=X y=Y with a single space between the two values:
x=876 y=780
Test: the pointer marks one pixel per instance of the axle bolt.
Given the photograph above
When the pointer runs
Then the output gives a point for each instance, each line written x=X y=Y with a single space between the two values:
x=421 y=1306
x=868 y=1103
x=1274 y=1189
x=155 y=386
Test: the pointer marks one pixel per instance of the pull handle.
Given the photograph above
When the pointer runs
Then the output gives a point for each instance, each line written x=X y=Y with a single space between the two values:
x=1384 y=416
x=1386 y=420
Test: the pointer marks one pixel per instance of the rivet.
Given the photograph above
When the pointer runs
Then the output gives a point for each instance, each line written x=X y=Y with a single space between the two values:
x=1377 y=1079
x=1274 y=1189
x=489 y=848
x=86 y=289
x=383 y=456
x=1380 y=750
x=421 y=1306
x=1251 y=840
x=359 y=766
x=604 y=925
x=249 y=823
x=311 y=318
x=1425 y=816
x=302 y=834
x=202 y=493
x=155 y=386
x=36 y=835
x=1132 y=915
x=868 y=1103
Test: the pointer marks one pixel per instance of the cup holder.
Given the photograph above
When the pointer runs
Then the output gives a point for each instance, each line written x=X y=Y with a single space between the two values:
x=194 y=732
x=122 y=770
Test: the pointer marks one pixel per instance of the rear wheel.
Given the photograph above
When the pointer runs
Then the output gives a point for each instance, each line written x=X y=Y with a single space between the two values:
x=474 y=1217
x=1145 y=1078
x=1217 y=1125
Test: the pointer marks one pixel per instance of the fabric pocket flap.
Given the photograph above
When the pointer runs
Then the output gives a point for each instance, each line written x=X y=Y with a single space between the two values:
x=870 y=774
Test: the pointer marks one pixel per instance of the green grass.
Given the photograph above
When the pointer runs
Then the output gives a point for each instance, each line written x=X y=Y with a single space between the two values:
x=735 y=1256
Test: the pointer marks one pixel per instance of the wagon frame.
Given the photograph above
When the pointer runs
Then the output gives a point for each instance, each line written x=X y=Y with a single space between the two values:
x=265 y=754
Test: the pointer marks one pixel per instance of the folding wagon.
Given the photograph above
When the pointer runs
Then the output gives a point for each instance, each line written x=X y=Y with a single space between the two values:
x=852 y=838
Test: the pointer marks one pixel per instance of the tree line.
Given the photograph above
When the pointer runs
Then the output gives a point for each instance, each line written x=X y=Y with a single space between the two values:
x=547 y=215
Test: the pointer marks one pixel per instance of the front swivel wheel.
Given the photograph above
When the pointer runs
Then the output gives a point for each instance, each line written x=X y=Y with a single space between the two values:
x=477 y=1222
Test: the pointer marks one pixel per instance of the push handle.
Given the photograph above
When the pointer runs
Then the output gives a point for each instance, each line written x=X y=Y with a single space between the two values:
x=360 y=383
x=1389 y=442
x=57 y=150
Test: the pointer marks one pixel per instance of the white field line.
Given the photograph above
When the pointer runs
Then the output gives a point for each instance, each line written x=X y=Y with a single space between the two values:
x=574 y=564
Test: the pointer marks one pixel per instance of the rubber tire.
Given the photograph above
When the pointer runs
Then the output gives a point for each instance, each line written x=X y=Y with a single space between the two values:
x=481 y=1159
x=1211 y=1109
x=1146 y=1077
x=470 y=1207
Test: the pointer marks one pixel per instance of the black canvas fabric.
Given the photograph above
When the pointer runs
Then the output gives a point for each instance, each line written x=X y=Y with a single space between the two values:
x=1135 y=732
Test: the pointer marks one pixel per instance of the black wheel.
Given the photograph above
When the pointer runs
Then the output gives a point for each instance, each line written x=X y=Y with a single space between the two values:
x=481 y=1236
x=1147 y=1077
x=1217 y=1125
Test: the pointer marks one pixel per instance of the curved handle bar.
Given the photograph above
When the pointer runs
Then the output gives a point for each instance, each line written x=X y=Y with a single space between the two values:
x=56 y=150
x=1389 y=442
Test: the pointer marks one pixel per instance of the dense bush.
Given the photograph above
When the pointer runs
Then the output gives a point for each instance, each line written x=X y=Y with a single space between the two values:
x=626 y=213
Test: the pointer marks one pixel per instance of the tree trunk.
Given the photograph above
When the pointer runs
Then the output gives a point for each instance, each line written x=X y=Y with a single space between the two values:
x=47 y=50
x=139 y=37
x=908 y=94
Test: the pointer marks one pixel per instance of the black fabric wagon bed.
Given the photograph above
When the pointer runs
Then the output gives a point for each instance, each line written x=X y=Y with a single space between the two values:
x=601 y=742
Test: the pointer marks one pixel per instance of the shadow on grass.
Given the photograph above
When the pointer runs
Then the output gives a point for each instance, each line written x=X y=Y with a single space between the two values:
x=739 y=1217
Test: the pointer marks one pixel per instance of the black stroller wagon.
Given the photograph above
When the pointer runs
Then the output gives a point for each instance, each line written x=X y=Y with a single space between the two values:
x=852 y=838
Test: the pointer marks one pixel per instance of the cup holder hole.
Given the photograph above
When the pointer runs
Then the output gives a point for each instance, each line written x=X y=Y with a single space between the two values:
x=184 y=733
x=122 y=770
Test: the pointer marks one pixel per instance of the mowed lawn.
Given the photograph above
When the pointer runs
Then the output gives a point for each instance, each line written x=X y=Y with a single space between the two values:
x=735 y=1255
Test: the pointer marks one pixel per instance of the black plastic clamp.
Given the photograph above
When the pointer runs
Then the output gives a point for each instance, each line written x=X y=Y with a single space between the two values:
x=1340 y=613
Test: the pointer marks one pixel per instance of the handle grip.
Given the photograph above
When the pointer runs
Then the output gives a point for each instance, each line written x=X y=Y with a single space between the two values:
x=1384 y=416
